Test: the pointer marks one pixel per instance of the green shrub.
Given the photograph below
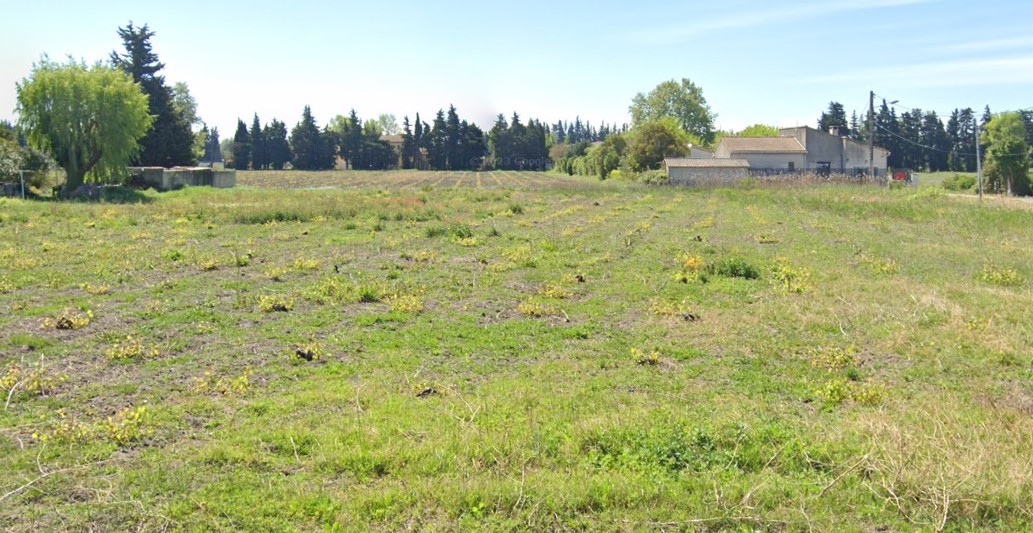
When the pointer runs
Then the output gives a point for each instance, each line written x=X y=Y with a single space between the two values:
x=654 y=177
x=460 y=231
x=734 y=267
x=960 y=182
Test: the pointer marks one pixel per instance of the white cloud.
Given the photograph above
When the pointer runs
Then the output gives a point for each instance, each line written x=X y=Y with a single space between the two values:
x=745 y=17
x=957 y=73
x=1011 y=43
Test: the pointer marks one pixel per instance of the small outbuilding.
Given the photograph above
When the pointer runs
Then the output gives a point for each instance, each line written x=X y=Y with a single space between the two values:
x=706 y=172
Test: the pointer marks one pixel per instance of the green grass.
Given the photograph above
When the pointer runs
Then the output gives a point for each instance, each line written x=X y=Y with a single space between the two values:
x=568 y=355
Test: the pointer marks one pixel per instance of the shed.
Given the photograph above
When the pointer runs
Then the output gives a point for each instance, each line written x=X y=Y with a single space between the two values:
x=706 y=172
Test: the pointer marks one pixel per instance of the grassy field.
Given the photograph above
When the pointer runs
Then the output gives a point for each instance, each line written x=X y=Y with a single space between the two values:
x=409 y=179
x=537 y=353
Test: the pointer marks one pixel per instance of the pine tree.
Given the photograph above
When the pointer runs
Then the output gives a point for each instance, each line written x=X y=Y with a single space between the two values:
x=886 y=133
x=170 y=141
x=278 y=150
x=558 y=133
x=935 y=142
x=350 y=142
x=241 y=147
x=438 y=138
x=911 y=130
x=259 y=154
x=212 y=151
x=418 y=145
x=453 y=141
x=311 y=148
x=835 y=117
x=407 y=143
x=499 y=143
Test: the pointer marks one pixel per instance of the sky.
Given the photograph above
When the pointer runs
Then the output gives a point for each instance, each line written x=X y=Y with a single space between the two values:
x=777 y=63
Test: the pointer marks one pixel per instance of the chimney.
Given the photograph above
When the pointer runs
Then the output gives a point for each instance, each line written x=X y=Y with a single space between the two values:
x=834 y=131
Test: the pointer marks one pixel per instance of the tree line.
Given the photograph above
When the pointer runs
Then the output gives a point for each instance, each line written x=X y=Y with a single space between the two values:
x=921 y=140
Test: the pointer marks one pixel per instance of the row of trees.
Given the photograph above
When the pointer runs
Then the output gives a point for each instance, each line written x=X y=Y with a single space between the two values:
x=919 y=139
x=665 y=122
x=450 y=144
x=309 y=147
x=575 y=132
x=641 y=149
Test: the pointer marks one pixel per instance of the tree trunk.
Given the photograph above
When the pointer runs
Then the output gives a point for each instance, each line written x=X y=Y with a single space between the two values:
x=73 y=180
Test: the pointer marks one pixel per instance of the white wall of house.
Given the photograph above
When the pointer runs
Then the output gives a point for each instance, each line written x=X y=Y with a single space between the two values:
x=840 y=153
x=773 y=161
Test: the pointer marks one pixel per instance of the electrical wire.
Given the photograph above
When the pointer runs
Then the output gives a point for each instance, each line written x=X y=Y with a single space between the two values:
x=939 y=114
x=909 y=141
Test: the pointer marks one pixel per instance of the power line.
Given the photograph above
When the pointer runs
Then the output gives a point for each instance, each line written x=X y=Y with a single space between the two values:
x=938 y=113
x=920 y=145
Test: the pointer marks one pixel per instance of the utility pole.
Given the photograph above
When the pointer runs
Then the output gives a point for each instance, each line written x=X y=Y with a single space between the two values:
x=871 y=135
x=979 y=160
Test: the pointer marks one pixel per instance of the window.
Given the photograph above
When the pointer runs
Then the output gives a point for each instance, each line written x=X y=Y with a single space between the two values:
x=792 y=165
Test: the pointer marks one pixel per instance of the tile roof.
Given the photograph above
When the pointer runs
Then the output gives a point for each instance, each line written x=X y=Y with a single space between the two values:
x=763 y=145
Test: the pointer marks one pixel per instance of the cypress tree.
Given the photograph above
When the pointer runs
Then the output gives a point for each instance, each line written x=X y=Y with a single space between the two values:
x=259 y=157
x=311 y=149
x=241 y=147
x=170 y=141
x=407 y=143
x=278 y=151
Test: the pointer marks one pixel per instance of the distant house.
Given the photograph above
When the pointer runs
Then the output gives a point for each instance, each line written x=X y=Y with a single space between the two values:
x=803 y=149
x=396 y=144
x=713 y=171
x=784 y=153
x=695 y=152
x=830 y=152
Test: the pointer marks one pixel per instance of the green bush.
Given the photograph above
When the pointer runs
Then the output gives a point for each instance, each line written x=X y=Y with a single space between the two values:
x=734 y=267
x=654 y=177
x=959 y=182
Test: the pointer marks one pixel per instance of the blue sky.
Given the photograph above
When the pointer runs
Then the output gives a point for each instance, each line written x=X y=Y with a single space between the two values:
x=767 y=62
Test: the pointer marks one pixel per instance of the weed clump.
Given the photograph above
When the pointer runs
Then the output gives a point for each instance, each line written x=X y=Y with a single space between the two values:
x=406 y=303
x=832 y=358
x=30 y=381
x=734 y=267
x=130 y=349
x=128 y=426
x=1006 y=277
x=308 y=352
x=275 y=303
x=553 y=290
x=69 y=320
x=790 y=279
x=644 y=358
x=535 y=309
x=95 y=290
x=226 y=386
x=838 y=391
x=460 y=231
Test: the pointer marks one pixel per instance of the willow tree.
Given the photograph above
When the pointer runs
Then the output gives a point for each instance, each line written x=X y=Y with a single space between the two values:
x=89 y=118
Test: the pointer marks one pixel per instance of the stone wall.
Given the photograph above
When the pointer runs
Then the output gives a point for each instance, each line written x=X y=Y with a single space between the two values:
x=169 y=179
x=706 y=176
